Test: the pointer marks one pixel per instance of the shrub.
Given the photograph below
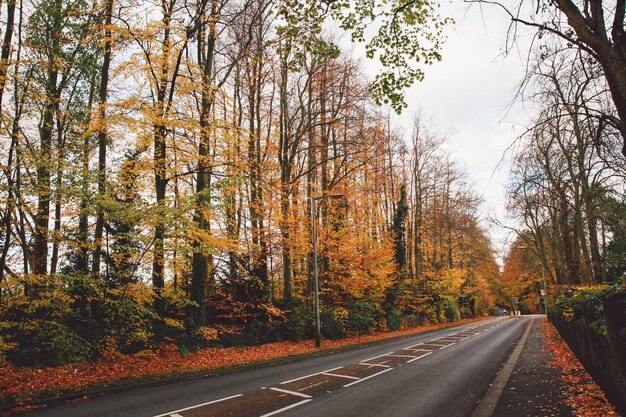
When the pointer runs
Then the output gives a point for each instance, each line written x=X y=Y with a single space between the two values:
x=394 y=319
x=46 y=343
x=362 y=318
x=450 y=309
x=331 y=326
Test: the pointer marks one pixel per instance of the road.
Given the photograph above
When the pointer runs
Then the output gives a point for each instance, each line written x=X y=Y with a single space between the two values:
x=442 y=373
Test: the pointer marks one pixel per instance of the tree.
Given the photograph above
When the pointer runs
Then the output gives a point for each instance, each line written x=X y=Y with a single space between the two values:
x=595 y=27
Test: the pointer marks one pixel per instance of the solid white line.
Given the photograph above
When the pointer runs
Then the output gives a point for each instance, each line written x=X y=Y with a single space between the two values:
x=289 y=407
x=374 y=364
x=376 y=357
x=419 y=357
x=198 y=405
x=175 y=415
x=488 y=404
x=310 y=375
x=368 y=377
x=443 y=347
x=340 y=376
x=466 y=337
x=402 y=356
x=296 y=393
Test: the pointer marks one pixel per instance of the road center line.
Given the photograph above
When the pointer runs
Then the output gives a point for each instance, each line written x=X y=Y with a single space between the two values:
x=289 y=407
x=296 y=393
x=368 y=377
x=198 y=405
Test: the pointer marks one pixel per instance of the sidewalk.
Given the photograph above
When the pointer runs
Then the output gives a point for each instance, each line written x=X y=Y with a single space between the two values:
x=534 y=387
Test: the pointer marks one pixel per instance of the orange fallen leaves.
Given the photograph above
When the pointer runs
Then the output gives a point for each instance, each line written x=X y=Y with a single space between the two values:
x=21 y=385
x=581 y=392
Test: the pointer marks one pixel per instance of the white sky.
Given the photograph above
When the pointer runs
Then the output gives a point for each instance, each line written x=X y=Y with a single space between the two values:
x=468 y=98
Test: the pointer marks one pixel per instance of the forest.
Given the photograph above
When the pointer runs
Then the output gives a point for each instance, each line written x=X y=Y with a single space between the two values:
x=159 y=162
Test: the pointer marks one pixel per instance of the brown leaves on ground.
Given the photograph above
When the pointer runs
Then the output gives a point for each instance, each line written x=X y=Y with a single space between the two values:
x=581 y=394
x=21 y=385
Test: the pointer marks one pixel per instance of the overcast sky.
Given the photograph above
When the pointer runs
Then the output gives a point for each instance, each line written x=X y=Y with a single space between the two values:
x=468 y=98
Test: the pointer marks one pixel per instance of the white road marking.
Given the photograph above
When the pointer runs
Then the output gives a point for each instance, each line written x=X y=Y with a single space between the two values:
x=198 y=405
x=376 y=357
x=310 y=375
x=340 y=376
x=443 y=347
x=175 y=415
x=368 y=377
x=402 y=356
x=417 y=344
x=419 y=357
x=289 y=407
x=374 y=364
x=296 y=393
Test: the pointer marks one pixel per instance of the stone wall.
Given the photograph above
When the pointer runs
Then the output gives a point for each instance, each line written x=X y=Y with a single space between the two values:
x=594 y=326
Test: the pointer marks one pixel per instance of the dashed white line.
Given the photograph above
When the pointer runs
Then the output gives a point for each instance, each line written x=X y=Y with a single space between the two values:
x=401 y=356
x=175 y=415
x=419 y=357
x=368 y=377
x=310 y=375
x=286 y=391
x=340 y=376
x=443 y=347
x=169 y=414
x=289 y=407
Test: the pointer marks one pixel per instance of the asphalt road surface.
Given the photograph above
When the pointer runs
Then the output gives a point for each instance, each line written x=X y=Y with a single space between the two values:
x=442 y=373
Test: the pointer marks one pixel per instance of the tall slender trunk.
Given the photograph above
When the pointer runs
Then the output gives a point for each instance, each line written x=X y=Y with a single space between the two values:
x=202 y=261
x=42 y=216
x=102 y=135
x=6 y=47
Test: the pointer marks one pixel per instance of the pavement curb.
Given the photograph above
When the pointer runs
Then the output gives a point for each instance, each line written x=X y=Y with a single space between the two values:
x=487 y=405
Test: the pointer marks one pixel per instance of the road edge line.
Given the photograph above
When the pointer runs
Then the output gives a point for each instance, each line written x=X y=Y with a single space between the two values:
x=487 y=405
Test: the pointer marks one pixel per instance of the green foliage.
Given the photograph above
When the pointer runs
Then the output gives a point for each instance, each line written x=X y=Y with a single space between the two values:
x=331 y=326
x=361 y=318
x=294 y=326
x=129 y=324
x=394 y=319
x=407 y=34
x=574 y=303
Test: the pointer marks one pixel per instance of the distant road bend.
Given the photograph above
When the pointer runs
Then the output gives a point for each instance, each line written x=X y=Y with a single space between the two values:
x=442 y=373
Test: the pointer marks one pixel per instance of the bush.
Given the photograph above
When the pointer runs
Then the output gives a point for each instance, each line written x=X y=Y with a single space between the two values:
x=46 y=343
x=331 y=326
x=361 y=318
x=450 y=309
x=294 y=327
x=394 y=319
x=129 y=324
